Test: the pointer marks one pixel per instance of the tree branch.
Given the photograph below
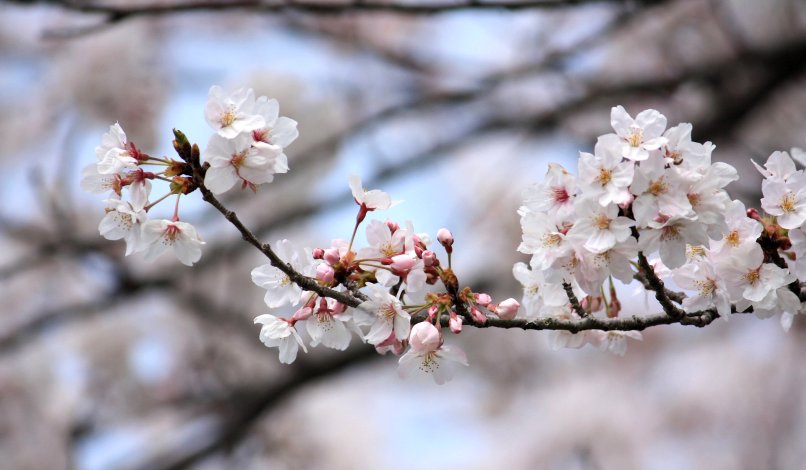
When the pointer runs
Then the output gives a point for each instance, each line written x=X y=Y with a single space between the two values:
x=118 y=13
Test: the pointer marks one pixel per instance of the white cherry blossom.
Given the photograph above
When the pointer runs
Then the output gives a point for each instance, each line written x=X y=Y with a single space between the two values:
x=95 y=182
x=741 y=230
x=600 y=227
x=278 y=130
x=658 y=191
x=681 y=151
x=181 y=237
x=280 y=290
x=613 y=341
x=428 y=355
x=748 y=277
x=279 y=333
x=370 y=199
x=786 y=200
x=798 y=239
x=537 y=293
x=707 y=198
x=555 y=195
x=123 y=221
x=542 y=239
x=670 y=237
x=239 y=160
x=779 y=167
x=384 y=314
x=230 y=115
x=640 y=135
x=604 y=176
x=616 y=261
x=328 y=325
x=701 y=277
x=115 y=153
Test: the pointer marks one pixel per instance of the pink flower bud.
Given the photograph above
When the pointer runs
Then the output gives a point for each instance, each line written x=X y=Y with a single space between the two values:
x=445 y=238
x=301 y=314
x=424 y=338
x=331 y=256
x=429 y=258
x=318 y=253
x=393 y=226
x=403 y=263
x=483 y=299
x=478 y=317
x=325 y=273
x=507 y=309
x=455 y=323
x=432 y=312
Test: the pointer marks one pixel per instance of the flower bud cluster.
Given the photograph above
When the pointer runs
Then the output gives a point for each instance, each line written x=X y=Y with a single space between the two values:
x=391 y=273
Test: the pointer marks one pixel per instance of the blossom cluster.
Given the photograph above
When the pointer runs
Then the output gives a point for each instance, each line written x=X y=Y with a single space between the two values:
x=390 y=273
x=648 y=204
x=247 y=148
x=651 y=193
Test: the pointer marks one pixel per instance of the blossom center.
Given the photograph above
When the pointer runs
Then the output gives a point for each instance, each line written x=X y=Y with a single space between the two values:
x=171 y=234
x=676 y=156
x=388 y=311
x=636 y=137
x=559 y=194
x=228 y=117
x=788 y=202
x=697 y=250
x=605 y=176
x=602 y=222
x=693 y=199
x=753 y=276
x=238 y=159
x=551 y=239
x=429 y=363
x=125 y=220
x=706 y=286
x=733 y=238
x=658 y=186
x=262 y=135
x=670 y=232
x=388 y=250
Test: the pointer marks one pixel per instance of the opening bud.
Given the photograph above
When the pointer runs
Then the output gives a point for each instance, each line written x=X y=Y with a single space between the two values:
x=325 y=273
x=445 y=238
x=507 y=309
x=455 y=323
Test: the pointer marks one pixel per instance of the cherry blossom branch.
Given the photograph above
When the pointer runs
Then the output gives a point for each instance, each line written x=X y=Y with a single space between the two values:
x=631 y=323
x=569 y=291
x=671 y=313
x=656 y=285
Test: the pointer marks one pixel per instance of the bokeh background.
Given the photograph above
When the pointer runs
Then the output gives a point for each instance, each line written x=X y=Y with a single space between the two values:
x=107 y=362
